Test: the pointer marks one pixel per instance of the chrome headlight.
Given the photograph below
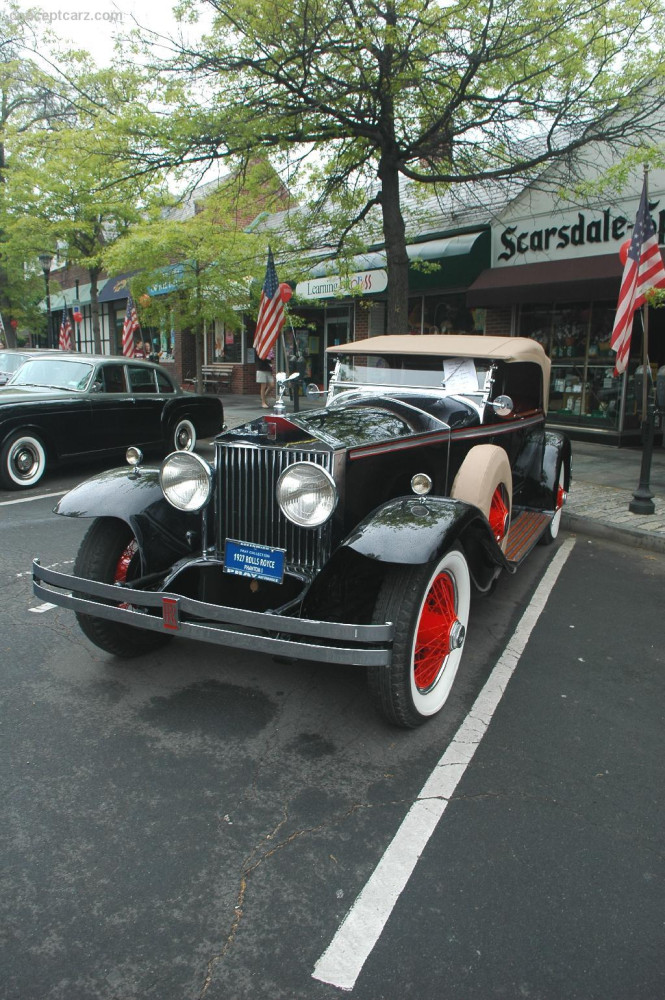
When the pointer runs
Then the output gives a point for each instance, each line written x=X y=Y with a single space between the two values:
x=306 y=494
x=186 y=480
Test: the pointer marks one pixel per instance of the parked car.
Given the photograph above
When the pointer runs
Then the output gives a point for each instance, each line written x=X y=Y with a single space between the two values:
x=11 y=360
x=60 y=406
x=351 y=534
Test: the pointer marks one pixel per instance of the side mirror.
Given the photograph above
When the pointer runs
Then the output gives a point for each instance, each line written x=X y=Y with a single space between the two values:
x=503 y=406
x=312 y=391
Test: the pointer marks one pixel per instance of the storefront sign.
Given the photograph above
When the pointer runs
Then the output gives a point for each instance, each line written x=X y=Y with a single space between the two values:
x=366 y=282
x=579 y=234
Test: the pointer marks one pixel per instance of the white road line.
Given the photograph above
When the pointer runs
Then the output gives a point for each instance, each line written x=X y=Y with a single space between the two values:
x=341 y=963
x=42 y=496
x=41 y=608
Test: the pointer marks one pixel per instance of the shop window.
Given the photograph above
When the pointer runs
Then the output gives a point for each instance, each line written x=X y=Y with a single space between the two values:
x=227 y=343
x=416 y=315
x=377 y=319
x=583 y=388
x=444 y=314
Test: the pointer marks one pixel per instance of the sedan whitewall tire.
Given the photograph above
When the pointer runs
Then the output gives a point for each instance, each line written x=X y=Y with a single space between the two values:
x=184 y=435
x=22 y=461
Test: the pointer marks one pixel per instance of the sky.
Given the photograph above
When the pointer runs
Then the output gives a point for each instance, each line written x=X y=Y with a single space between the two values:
x=94 y=24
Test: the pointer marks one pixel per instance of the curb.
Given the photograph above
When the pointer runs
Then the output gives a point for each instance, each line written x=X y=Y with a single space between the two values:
x=633 y=537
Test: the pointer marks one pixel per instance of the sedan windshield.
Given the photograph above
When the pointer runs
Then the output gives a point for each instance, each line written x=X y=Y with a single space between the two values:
x=51 y=373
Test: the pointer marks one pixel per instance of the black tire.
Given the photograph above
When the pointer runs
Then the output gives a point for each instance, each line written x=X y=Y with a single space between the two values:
x=22 y=461
x=429 y=606
x=109 y=553
x=183 y=437
x=551 y=532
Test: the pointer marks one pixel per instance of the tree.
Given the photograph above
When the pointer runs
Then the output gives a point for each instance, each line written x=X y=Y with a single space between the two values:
x=32 y=101
x=71 y=188
x=207 y=248
x=361 y=95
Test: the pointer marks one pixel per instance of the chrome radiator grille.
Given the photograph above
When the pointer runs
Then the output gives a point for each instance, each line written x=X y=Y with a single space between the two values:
x=248 y=510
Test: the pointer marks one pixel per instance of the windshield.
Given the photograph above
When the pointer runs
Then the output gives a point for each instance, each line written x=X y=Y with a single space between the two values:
x=452 y=375
x=11 y=362
x=54 y=374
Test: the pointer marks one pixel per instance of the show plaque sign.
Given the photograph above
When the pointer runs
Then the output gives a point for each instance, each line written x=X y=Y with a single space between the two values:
x=260 y=562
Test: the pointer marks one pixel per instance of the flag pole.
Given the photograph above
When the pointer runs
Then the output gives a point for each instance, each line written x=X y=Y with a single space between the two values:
x=642 y=502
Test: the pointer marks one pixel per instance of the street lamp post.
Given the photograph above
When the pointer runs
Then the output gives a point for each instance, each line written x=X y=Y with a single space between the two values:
x=46 y=259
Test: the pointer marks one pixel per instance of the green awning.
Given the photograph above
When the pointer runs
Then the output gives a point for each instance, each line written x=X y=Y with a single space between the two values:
x=459 y=260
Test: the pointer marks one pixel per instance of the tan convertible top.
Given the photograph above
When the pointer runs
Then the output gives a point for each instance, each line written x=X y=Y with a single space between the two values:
x=452 y=346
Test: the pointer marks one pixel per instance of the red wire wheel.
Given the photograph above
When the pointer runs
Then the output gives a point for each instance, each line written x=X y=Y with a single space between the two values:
x=433 y=638
x=499 y=516
x=124 y=561
x=485 y=480
x=429 y=608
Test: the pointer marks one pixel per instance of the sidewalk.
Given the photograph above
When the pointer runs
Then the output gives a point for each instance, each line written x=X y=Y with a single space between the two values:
x=603 y=482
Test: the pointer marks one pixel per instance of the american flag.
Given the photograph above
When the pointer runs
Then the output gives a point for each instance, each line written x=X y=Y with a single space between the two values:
x=65 y=342
x=643 y=270
x=129 y=328
x=271 y=312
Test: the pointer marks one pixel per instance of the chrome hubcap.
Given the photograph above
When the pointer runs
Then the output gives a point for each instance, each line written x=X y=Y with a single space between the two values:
x=24 y=461
x=457 y=635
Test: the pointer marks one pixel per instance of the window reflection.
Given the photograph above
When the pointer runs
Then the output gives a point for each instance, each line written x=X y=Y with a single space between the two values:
x=576 y=336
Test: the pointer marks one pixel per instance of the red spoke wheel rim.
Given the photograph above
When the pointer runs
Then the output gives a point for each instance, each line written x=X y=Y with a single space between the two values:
x=499 y=514
x=123 y=564
x=437 y=619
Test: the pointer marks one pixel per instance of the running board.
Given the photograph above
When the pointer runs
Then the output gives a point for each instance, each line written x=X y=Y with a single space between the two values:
x=525 y=530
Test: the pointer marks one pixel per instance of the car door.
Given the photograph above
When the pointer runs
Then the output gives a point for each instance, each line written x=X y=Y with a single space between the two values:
x=113 y=408
x=148 y=404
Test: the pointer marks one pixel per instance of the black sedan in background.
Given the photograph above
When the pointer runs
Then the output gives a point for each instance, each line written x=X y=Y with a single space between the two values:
x=11 y=360
x=61 y=406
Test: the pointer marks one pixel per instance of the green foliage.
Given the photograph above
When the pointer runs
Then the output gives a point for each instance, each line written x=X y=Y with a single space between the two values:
x=32 y=101
x=70 y=190
x=351 y=97
x=202 y=248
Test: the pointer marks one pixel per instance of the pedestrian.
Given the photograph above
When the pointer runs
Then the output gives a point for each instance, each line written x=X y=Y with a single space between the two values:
x=264 y=377
x=156 y=351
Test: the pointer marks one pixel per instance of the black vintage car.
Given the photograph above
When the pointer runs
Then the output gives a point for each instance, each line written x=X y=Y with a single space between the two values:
x=350 y=534
x=60 y=406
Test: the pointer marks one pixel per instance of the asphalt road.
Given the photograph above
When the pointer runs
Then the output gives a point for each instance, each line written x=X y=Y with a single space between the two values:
x=197 y=823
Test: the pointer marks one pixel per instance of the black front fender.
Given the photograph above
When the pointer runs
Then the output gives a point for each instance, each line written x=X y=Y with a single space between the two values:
x=414 y=531
x=161 y=531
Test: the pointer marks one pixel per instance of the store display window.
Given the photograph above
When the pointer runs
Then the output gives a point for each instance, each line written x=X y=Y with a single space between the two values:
x=576 y=337
x=444 y=314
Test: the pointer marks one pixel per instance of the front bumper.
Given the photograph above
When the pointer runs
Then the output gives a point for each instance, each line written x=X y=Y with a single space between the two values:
x=172 y=614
